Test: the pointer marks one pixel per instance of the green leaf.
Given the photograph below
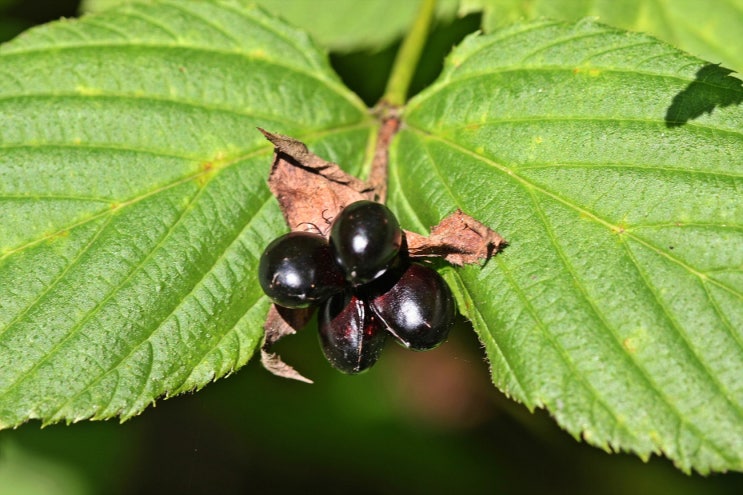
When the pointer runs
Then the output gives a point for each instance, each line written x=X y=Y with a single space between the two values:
x=341 y=25
x=95 y=6
x=711 y=30
x=618 y=303
x=133 y=198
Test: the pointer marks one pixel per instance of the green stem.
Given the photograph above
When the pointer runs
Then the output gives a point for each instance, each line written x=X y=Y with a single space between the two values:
x=410 y=53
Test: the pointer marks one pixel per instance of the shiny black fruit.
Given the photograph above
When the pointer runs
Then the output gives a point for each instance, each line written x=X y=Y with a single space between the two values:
x=418 y=308
x=298 y=270
x=351 y=335
x=365 y=237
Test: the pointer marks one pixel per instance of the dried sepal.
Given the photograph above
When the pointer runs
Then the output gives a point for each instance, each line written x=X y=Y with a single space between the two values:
x=458 y=238
x=273 y=363
x=281 y=322
x=312 y=191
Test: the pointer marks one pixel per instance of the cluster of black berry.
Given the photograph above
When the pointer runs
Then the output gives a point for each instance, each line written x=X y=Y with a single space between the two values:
x=364 y=283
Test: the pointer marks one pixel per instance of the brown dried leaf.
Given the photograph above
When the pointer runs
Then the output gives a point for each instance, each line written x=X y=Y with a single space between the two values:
x=281 y=322
x=458 y=238
x=273 y=363
x=311 y=191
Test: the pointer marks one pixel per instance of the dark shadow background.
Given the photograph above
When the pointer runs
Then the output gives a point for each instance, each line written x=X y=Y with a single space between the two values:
x=18 y=15
x=418 y=423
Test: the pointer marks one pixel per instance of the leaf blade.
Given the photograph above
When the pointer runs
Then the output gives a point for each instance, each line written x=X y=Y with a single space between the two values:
x=710 y=30
x=147 y=117
x=364 y=26
x=572 y=159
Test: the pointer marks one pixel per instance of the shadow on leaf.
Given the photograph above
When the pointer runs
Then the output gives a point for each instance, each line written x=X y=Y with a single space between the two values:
x=713 y=87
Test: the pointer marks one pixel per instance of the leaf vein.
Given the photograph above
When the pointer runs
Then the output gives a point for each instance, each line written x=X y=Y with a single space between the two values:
x=692 y=124
x=135 y=268
x=563 y=41
x=111 y=28
x=319 y=76
x=578 y=284
x=498 y=38
x=147 y=99
x=53 y=283
x=629 y=166
x=690 y=350
x=133 y=200
x=509 y=69
x=100 y=147
x=132 y=12
x=301 y=50
x=699 y=274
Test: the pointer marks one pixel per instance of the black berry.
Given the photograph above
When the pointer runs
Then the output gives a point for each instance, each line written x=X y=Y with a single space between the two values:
x=298 y=270
x=351 y=335
x=418 y=308
x=366 y=238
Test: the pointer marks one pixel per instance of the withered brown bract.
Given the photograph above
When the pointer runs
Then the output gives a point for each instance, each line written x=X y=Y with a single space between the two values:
x=311 y=191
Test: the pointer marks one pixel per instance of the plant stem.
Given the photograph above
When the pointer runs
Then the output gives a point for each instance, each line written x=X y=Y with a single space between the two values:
x=408 y=56
x=378 y=175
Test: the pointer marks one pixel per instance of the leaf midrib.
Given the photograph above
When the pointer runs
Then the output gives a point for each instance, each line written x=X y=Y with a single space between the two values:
x=528 y=185
x=566 y=165
x=627 y=357
x=320 y=75
x=565 y=358
x=333 y=86
x=67 y=96
x=217 y=168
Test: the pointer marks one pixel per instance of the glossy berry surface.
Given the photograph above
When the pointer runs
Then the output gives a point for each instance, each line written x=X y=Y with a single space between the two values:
x=418 y=308
x=366 y=238
x=351 y=335
x=298 y=270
